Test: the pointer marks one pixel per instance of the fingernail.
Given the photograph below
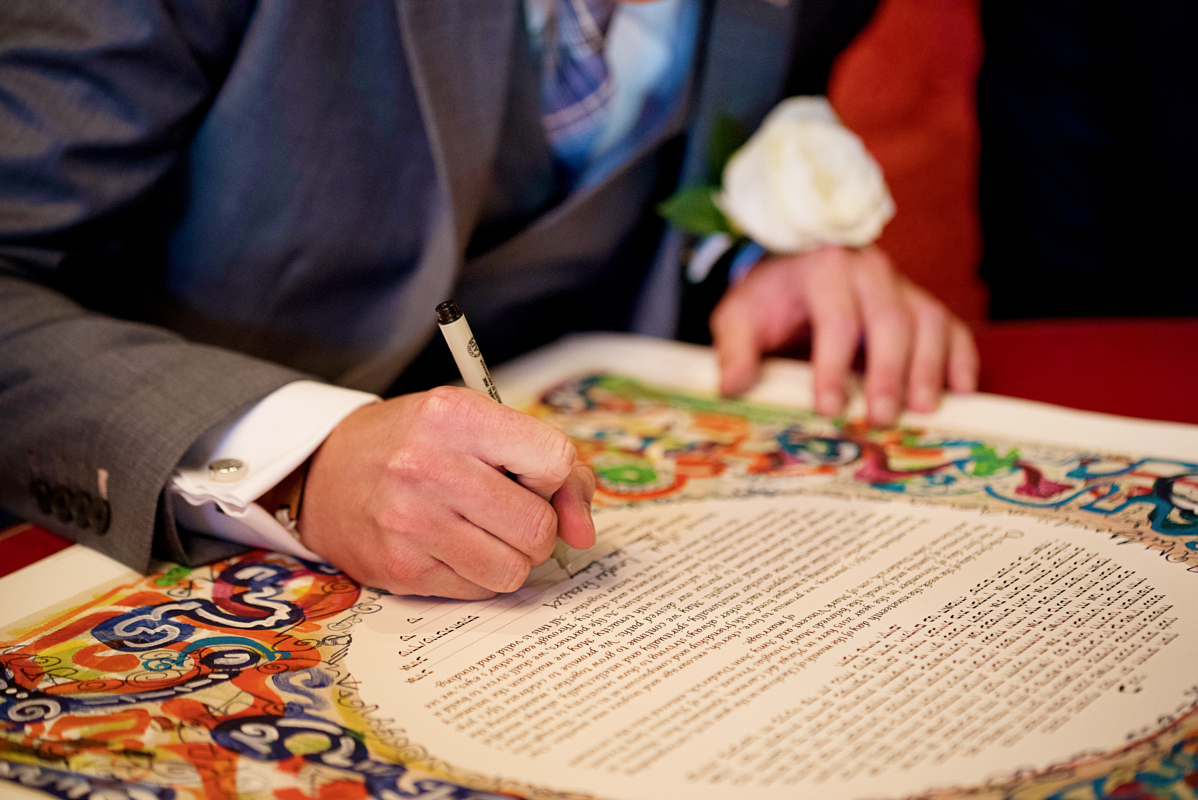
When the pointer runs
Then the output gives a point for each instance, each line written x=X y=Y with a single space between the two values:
x=829 y=403
x=883 y=410
x=586 y=509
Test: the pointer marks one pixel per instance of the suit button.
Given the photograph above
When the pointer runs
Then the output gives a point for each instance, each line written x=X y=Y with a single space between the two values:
x=100 y=515
x=60 y=503
x=40 y=490
x=81 y=508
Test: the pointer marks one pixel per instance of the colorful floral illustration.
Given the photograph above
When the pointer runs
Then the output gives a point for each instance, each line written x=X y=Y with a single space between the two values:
x=228 y=680
x=216 y=682
x=652 y=444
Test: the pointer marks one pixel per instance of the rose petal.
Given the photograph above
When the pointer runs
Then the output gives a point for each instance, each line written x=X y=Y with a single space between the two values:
x=803 y=179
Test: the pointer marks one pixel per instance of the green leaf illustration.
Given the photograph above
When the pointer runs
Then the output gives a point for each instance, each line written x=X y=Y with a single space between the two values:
x=986 y=462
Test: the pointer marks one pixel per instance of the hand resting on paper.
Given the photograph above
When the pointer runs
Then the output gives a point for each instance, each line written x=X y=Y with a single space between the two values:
x=410 y=495
x=915 y=347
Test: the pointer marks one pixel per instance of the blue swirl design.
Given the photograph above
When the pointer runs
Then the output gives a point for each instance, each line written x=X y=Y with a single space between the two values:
x=817 y=450
x=149 y=628
x=304 y=684
x=1171 y=778
x=24 y=706
x=75 y=785
x=152 y=627
x=1168 y=515
x=265 y=738
x=28 y=706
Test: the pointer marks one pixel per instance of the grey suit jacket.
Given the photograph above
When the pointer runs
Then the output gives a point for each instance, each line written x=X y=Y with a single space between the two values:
x=200 y=202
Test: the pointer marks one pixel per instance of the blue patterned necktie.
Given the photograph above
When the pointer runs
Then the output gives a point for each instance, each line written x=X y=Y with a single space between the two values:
x=576 y=86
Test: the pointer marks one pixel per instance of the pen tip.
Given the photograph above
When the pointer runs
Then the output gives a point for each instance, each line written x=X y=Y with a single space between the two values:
x=448 y=312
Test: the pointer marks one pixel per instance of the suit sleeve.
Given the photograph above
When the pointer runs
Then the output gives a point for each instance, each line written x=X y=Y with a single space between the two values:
x=97 y=102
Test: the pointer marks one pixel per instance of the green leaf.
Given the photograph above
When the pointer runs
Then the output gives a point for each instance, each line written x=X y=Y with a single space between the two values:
x=173 y=576
x=986 y=462
x=727 y=136
x=694 y=210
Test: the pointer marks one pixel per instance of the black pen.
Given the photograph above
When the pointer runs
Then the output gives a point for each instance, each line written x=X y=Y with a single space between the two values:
x=461 y=343
x=474 y=371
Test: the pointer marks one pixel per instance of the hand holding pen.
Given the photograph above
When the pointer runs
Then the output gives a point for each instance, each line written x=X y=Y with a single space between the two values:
x=410 y=495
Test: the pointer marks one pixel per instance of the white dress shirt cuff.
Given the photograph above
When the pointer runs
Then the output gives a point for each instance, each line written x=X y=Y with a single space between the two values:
x=270 y=440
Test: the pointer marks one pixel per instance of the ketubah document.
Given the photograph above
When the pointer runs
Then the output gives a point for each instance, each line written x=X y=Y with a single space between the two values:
x=993 y=598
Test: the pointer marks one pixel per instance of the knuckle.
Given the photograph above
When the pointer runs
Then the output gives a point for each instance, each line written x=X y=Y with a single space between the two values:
x=925 y=369
x=829 y=378
x=541 y=526
x=884 y=381
x=829 y=257
x=839 y=323
x=510 y=573
x=394 y=518
x=893 y=317
x=934 y=315
x=826 y=377
x=405 y=568
x=877 y=269
x=409 y=466
x=446 y=404
x=560 y=454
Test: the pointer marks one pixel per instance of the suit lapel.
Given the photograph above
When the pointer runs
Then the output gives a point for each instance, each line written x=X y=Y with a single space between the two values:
x=459 y=53
x=743 y=71
x=740 y=69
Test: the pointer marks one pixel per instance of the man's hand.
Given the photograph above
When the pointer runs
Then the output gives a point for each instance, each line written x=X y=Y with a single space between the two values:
x=914 y=345
x=410 y=495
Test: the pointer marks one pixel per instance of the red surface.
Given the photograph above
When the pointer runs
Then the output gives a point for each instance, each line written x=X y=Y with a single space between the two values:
x=26 y=544
x=1135 y=367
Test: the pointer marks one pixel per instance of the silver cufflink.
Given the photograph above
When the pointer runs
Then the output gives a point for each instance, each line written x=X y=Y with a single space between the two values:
x=227 y=470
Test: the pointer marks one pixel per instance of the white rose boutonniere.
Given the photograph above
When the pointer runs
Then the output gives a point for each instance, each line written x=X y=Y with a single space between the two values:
x=804 y=180
x=800 y=181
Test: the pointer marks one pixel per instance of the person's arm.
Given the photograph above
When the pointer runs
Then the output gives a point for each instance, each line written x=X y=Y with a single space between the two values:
x=842 y=297
x=96 y=412
x=99 y=100
x=244 y=480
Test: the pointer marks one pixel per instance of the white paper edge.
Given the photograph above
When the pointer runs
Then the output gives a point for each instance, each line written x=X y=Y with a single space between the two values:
x=56 y=579
x=788 y=382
